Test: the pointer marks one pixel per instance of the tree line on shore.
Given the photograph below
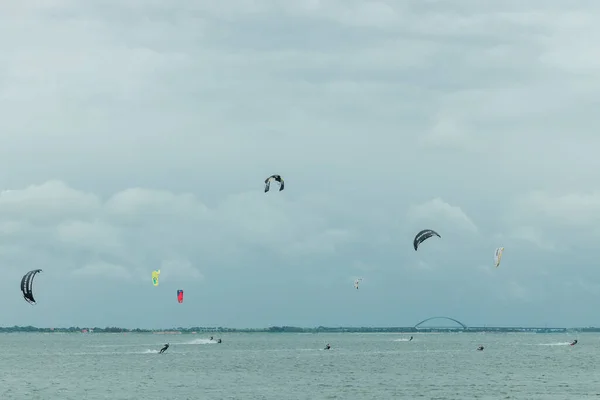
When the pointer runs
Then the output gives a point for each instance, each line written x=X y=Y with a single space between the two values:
x=289 y=329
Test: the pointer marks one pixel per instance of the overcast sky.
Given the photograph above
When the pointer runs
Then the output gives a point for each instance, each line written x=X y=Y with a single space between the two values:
x=136 y=135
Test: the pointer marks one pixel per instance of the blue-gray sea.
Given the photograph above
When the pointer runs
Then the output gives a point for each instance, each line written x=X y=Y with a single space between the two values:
x=295 y=366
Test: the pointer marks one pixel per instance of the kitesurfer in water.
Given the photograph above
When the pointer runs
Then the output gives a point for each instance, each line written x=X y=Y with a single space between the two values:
x=218 y=340
x=411 y=338
x=211 y=338
x=165 y=347
x=480 y=348
x=327 y=347
x=574 y=342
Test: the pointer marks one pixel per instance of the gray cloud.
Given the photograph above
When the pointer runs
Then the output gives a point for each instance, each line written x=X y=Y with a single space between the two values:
x=136 y=135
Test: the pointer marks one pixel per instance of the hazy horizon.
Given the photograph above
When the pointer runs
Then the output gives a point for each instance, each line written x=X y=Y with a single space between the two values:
x=136 y=137
x=441 y=326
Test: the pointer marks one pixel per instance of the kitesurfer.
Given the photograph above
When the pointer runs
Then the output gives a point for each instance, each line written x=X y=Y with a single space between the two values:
x=411 y=338
x=211 y=338
x=218 y=340
x=327 y=347
x=574 y=342
x=480 y=348
x=165 y=347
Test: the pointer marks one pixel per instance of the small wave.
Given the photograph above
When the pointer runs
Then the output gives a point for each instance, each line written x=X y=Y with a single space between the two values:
x=112 y=353
x=151 y=351
x=123 y=345
x=401 y=340
x=285 y=350
x=554 y=344
x=200 y=341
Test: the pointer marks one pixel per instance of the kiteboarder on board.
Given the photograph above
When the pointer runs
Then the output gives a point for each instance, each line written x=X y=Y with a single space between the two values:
x=327 y=347
x=165 y=347
x=480 y=348
x=574 y=342
x=411 y=338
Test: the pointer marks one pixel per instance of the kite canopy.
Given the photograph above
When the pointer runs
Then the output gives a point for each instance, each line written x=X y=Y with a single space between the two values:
x=498 y=256
x=422 y=236
x=180 y=296
x=276 y=178
x=27 y=285
x=155 y=275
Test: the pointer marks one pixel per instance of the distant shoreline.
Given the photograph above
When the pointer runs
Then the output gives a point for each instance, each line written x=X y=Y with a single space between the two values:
x=293 y=329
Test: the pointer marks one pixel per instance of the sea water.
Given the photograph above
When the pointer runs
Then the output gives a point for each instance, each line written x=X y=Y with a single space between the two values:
x=283 y=366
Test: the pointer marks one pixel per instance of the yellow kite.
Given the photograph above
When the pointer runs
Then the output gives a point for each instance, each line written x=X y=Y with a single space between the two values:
x=155 y=275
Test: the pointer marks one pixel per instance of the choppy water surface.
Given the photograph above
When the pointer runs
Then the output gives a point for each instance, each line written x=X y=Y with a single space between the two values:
x=295 y=366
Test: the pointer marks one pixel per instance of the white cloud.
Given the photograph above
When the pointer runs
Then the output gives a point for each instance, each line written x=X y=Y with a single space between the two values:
x=447 y=130
x=50 y=201
x=518 y=291
x=422 y=265
x=103 y=270
x=182 y=269
x=592 y=287
x=136 y=224
x=95 y=235
x=532 y=235
x=574 y=209
x=145 y=203
x=364 y=267
x=436 y=209
x=324 y=242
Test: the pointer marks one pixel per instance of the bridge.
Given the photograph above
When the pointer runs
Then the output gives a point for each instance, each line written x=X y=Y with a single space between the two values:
x=418 y=326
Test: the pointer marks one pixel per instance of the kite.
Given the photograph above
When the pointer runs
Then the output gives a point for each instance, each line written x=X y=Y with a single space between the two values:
x=498 y=256
x=276 y=178
x=357 y=282
x=422 y=236
x=155 y=275
x=27 y=285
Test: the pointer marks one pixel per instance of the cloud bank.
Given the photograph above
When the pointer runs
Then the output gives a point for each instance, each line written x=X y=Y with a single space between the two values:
x=136 y=136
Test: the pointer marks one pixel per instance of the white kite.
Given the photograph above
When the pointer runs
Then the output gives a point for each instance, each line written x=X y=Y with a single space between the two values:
x=498 y=256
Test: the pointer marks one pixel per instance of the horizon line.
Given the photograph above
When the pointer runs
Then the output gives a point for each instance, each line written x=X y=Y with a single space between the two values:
x=320 y=327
